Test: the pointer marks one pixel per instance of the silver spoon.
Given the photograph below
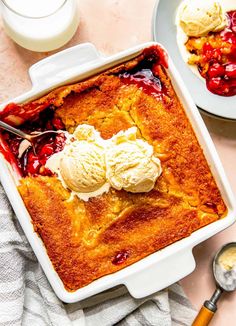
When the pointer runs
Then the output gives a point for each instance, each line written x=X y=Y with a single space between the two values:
x=32 y=138
x=225 y=281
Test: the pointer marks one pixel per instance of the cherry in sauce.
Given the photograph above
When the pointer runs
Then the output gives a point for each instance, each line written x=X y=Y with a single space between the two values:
x=221 y=74
x=120 y=257
x=33 y=162
x=145 y=75
x=145 y=80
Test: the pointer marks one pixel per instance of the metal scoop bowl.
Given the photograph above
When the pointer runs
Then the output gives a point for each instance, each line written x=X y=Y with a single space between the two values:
x=225 y=281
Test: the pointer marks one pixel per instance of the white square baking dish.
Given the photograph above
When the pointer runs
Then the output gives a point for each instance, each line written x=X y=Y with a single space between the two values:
x=159 y=269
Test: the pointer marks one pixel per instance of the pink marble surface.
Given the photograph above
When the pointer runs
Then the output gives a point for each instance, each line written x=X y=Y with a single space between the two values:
x=114 y=25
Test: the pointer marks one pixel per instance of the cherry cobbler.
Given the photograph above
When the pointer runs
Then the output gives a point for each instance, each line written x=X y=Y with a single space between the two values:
x=88 y=239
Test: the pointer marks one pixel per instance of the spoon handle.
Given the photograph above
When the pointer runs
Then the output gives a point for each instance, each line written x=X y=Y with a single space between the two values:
x=208 y=310
x=15 y=131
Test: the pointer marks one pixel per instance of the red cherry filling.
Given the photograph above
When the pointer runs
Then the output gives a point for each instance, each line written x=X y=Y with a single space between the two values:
x=120 y=257
x=34 y=164
x=145 y=80
x=57 y=123
x=232 y=15
x=230 y=70
x=211 y=206
x=221 y=73
x=31 y=163
x=216 y=70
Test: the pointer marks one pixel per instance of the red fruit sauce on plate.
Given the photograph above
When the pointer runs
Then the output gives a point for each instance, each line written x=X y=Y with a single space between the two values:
x=221 y=75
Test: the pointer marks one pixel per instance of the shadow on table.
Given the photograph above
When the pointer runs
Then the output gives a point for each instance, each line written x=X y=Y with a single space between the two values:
x=220 y=127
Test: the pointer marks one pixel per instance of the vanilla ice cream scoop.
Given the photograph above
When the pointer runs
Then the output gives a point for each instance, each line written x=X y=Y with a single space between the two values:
x=131 y=164
x=199 y=17
x=82 y=166
x=89 y=164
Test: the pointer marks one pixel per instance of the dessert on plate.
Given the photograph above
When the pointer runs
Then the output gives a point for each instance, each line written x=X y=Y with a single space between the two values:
x=124 y=177
x=206 y=34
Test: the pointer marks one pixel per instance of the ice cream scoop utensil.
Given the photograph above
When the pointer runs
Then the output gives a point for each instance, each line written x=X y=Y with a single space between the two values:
x=225 y=281
x=32 y=138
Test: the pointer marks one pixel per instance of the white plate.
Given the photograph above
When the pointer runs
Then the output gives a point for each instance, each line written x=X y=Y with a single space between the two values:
x=164 y=32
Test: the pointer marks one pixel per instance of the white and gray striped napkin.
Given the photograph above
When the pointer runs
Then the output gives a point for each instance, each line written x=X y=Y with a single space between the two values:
x=26 y=297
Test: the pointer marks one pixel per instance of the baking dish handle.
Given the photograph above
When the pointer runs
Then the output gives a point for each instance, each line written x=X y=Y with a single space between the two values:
x=63 y=65
x=160 y=275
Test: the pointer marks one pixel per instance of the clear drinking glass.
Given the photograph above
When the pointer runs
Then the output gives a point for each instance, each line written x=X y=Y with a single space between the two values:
x=40 y=25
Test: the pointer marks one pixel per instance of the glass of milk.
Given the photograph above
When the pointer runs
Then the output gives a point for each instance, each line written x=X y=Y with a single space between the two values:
x=40 y=25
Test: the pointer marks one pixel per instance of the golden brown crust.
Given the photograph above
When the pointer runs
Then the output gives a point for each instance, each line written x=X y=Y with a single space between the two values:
x=84 y=238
